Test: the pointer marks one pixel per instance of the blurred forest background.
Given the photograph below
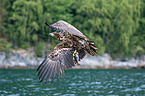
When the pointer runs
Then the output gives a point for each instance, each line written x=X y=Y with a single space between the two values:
x=116 y=26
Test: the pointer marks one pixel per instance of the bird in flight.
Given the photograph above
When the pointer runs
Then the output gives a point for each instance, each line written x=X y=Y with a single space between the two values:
x=73 y=47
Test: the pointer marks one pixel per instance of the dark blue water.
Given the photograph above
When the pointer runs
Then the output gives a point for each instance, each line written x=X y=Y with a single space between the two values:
x=82 y=82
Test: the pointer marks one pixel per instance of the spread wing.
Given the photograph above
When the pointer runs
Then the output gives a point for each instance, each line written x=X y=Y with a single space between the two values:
x=66 y=28
x=51 y=66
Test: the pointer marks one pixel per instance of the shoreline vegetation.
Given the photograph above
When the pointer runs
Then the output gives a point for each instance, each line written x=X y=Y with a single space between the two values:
x=26 y=59
x=116 y=27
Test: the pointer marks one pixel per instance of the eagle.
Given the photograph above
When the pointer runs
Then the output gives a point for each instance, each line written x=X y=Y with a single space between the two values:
x=73 y=47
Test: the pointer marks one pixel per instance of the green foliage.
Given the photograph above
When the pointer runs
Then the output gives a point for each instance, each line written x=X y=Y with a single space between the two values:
x=39 y=50
x=34 y=37
x=116 y=26
x=24 y=45
x=5 y=46
x=115 y=21
x=26 y=16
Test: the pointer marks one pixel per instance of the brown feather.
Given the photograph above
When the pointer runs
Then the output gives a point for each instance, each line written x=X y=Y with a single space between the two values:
x=64 y=54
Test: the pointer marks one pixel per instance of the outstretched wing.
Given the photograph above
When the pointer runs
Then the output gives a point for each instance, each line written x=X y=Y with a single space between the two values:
x=66 y=28
x=51 y=66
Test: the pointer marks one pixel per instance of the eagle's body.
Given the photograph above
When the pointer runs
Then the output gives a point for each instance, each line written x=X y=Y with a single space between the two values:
x=74 y=46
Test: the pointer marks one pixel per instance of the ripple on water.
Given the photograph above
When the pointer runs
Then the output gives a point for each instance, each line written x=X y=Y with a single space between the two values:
x=74 y=84
x=3 y=92
x=29 y=79
x=14 y=87
x=49 y=89
x=82 y=87
x=137 y=74
x=57 y=94
x=90 y=82
x=13 y=95
x=68 y=95
x=110 y=92
x=142 y=86
x=133 y=89
x=95 y=83
x=138 y=89
x=4 y=80
x=30 y=86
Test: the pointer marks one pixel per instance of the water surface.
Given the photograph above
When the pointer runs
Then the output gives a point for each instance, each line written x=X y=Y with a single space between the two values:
x=82 y=82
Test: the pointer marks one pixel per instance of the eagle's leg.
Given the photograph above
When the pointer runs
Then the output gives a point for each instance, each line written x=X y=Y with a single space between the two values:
x=75 y=52
x=75 y=57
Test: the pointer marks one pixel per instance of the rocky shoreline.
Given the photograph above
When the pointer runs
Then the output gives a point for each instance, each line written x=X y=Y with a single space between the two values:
x=26 y=59
x=106 y=62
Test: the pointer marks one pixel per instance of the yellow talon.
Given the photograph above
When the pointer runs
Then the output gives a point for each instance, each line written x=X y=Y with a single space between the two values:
x=75 y=53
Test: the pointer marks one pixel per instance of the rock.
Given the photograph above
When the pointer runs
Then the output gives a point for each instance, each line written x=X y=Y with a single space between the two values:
x=23 y=58
x=106 y=62
x=26 y=59
x=2 y=59
x=141 y=65
x=96 y=61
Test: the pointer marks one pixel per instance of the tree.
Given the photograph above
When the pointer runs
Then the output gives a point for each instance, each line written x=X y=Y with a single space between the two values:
x=5 y=13
x=116 y=26
x=26 y=18
x=115 y=21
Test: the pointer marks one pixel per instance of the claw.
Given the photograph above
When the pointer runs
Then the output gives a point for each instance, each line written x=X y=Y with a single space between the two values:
x=75 y=52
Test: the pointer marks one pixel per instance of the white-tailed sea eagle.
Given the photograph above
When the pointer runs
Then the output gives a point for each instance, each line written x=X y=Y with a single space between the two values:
x=73 y=47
